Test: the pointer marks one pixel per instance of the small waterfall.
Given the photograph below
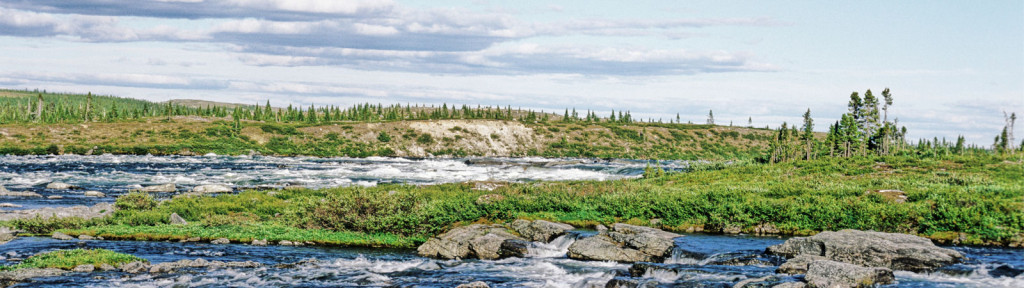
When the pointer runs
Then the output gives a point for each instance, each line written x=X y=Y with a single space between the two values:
x=555 y=249
x=680 y=256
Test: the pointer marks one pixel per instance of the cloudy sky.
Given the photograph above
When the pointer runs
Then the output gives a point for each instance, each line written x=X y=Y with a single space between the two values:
x=953 y=66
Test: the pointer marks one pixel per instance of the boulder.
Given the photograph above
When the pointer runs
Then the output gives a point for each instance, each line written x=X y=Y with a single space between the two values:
x=9 y=205
x=514 y=248
x=86 y=237
x=166 y=188
x=477 y=284
x=60 y=186
x=20 y=275
x=286 y=243
x=134 y=267
x=539 y=230
x=825 y=273
x=94 y=194
x=473 y=241
x=871 y=249
x=625 y=243
x=798 y=265
x=84 y=268
x=220 y=241
x=106 y=267
x=7 y=234
x=177 y=220
x=61 y=236
x=211 y=188
x=256 y=242
x=54 y=197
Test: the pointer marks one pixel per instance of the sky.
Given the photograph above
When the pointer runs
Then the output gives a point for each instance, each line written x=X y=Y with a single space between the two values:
x=953 y=67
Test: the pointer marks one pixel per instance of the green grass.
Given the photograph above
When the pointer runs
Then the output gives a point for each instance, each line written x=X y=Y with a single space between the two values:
x=979 y=196
x=68 y=259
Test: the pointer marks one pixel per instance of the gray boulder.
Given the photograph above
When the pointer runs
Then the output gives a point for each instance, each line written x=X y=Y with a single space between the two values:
x=7 y=234
x=256 y=242
x=539 y=230
x=61 y=236
x=514 y=248
x=94 y=194
x=220 y=241
x=84 y=268
x=134 y=267
x=871 y=249
x=60 y=186
x=86 y=237
x=625 y=243
x=211 y=188
x=473 y=241
x=20 y=275
x=798 y=265
x=832 y=274
x=169 y=187
x=177 y=220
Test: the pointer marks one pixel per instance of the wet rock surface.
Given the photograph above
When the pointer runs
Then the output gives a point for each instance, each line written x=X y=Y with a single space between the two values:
x=871 y=249
x=7 y=234
x=826 y=273
x=625 y=243
x=473 y=241
x=539 y=230
x=60 y=186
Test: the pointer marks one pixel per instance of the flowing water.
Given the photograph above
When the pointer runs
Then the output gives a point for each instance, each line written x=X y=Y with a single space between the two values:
x=698 y=261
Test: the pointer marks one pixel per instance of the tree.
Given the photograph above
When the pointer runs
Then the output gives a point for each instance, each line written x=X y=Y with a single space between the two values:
x=808 y=134
x=711 y=117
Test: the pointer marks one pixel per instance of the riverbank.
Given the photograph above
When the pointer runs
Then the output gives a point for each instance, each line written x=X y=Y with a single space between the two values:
x=974 y=200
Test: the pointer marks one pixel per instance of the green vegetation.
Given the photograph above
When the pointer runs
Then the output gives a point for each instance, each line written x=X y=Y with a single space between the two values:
x=979 y=197
x=68 y=259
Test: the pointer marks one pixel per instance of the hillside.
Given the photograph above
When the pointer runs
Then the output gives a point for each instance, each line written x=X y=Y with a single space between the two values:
x=199 y=127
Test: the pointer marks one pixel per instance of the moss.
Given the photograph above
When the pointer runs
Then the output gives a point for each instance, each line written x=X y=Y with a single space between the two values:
x=68 y=259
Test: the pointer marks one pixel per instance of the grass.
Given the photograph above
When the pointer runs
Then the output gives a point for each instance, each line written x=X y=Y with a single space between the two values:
x=979 y=198
x=68 y=259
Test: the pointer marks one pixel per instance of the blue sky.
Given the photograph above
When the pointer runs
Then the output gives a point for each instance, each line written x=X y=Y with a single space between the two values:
x=953 y=66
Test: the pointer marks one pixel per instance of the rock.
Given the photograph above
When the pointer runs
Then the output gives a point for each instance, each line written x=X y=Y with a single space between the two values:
x=514 y=248
x=601 y=229
x=169 y=187
x=798 y=265
x=477 y=284
x=285 y=243
x=86 y=237
x=177 y=220
x=212 y=188
x=765 y=229
x=134 y=267
x=220 y=241
x=60 y=186
x=473 y=241
x=9 y=205
x=7 y=234
x=871 y=249
x=106 y=267
x=539 y=230
x=893 y=195
x=826 y=273
x=732 y=230
x=8 y=193
x=488 y=199
x=191 y=239
x=84 y=212
x=168 y=267
x=94 y=194
x=61 y=236
x=1005 y=271
x=84 y=268
x=625 y=243
x=20 y=275
x=755 y=282
x=54 y=197
x=259 y=242
x=791 y=285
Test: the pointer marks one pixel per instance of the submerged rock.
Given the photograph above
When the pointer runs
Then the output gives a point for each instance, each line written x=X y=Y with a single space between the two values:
x=539 y=230
x=473 y=241
x=169 y=187
x=9 y=193
x=872 y=249
x=826 y=273
x=211 y=188
x=54 y=197
x=60 y=186
x=94 y=194
x=625 y=243
x=177 y=220
x=61 y=236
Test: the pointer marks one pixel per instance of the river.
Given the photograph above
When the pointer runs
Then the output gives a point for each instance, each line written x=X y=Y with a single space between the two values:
x=698 y=260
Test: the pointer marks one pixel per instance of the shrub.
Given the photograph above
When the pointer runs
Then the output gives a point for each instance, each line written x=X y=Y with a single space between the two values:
x=383 y=137
x=135 y=201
